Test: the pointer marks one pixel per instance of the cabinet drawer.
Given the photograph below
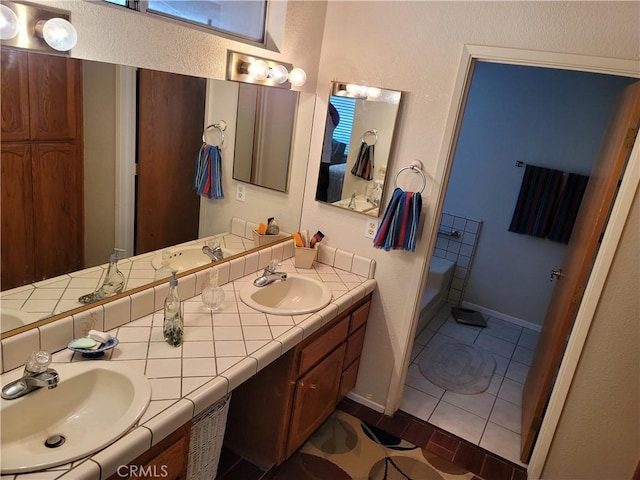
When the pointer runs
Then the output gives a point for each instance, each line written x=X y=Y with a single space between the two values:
x=359 y=317
x=354 y=346
x=315 y=351
x=348 y=380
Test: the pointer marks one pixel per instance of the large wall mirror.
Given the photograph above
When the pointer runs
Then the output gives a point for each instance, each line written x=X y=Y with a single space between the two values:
x=109 y=104
x=357 y=142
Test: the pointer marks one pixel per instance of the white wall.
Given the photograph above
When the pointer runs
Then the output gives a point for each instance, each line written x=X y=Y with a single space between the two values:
x=415 y=47
x=544 y=117
x=99 y=118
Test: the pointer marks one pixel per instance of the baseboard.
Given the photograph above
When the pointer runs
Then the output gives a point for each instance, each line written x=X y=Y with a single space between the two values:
x=502 y=316
x=365 y=401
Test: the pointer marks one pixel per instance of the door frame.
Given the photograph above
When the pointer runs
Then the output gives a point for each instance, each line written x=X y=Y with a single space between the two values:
x=611 y=238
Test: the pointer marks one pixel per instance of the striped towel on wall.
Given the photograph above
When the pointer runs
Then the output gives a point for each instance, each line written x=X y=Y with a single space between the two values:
x=548 y=203
x=399 y=226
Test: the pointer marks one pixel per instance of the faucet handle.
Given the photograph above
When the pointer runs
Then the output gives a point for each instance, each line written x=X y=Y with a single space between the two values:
x=38 y=362
x=273 y=265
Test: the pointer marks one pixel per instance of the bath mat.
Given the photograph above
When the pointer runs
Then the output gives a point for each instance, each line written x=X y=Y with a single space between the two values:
x=346 y=448
x=468 y=317
x=458 y=367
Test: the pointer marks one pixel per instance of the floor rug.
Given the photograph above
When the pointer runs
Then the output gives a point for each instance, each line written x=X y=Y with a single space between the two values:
x=346 y=448
x=458 y=367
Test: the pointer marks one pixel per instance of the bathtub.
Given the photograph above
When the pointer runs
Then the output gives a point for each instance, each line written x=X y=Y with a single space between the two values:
x=436 y=291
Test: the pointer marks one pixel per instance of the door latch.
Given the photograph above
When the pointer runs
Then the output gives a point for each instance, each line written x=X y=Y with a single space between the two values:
x=556 y=274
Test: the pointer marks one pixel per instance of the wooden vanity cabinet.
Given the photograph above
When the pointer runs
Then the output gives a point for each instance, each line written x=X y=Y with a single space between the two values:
x=42 y=167
x=168 y=459
x=274 y=412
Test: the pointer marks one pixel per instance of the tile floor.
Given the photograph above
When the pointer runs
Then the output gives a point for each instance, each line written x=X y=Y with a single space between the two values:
x=490 y=419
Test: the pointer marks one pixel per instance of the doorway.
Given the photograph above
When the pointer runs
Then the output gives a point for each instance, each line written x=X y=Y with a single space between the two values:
x=511 y=172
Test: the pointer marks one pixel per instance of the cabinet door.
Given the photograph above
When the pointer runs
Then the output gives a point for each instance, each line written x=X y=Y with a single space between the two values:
x=16 y=212
x=315 y=398
x=54 y=85
x=14 y=91
x=58 y=211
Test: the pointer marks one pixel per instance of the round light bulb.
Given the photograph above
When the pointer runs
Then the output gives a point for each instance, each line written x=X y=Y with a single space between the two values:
x=278 y=74
x=59 y=34
x=297 y=77
x=259 y=69
x=9 y=24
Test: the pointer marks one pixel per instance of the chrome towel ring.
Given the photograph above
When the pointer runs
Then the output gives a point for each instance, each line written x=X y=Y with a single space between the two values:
x=368 y=134
x=416 y=167
x=220 y=127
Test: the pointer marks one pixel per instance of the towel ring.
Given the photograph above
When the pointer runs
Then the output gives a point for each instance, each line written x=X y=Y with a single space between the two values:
x=221 y=126
x=370 y=133
x=416 y=166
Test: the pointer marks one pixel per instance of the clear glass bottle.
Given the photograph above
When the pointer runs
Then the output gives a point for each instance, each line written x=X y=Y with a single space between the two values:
x=173 y=326
x=164 y=271
x=213 y=295
x=113 y=281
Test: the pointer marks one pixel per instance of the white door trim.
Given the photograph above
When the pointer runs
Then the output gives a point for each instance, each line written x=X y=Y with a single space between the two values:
x=602 y=264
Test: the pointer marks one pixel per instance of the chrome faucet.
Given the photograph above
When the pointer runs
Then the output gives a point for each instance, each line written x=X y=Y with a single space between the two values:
x=214 y=253
x=37 y=374
x=269 y=275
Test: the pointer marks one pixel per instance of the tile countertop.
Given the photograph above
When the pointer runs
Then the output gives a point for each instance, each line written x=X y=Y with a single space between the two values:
x=220 y=351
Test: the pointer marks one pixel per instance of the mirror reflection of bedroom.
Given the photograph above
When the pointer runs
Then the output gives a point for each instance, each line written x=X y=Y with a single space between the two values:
x=357 y=141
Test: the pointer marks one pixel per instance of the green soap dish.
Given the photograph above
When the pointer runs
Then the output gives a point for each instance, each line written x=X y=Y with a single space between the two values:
x=84 y=343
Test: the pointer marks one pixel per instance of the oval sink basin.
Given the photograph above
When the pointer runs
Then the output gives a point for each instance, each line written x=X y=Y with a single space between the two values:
x=94 y=404
x=10 y=319
x=186 y=258
x=294 y=296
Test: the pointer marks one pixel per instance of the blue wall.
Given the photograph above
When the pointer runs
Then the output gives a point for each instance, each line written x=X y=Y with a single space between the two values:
x=545 y=117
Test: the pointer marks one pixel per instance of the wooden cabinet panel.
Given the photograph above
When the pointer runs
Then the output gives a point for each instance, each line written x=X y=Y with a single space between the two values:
x=315 y=398
x=313 y=352
x=15 y=203
x=57 y=196
x=359 y=317
x=54 y=85
x=354 y=346
x=348 y=381
x=14 y=88
x=167 y=460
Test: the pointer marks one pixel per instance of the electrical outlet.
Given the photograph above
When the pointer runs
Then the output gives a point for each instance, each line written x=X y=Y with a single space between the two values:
x=371 y=228
x=240 y=193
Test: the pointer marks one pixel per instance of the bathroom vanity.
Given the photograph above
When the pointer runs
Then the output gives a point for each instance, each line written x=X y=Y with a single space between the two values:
x=273 y=413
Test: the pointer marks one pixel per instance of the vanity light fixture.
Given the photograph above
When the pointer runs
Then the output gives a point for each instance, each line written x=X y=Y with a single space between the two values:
x=9 y=24
x=251 y=69
x=36 y=28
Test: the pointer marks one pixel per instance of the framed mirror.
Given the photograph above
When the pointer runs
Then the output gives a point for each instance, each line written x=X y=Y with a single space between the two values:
x=264 y=129
x=106 y=109
x=357 y=142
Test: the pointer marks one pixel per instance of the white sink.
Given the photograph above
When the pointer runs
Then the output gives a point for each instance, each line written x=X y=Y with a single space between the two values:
x=95 y=403
x=294 y=296
x=186 y=258
x=360 y=203
x=10 y=319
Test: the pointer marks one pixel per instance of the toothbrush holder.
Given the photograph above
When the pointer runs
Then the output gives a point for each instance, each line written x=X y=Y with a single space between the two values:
x=304 y=257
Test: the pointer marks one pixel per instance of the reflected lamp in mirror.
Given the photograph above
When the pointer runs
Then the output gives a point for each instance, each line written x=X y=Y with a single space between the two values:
x=260 y=71
x=358 y=136
x=36 y=28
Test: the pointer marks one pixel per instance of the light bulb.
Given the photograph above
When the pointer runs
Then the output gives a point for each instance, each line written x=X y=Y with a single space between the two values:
x=278 y=73
x=297 y=77
x=58 y=33
x=358 y=91
x=9 y=24
x=259 y=69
